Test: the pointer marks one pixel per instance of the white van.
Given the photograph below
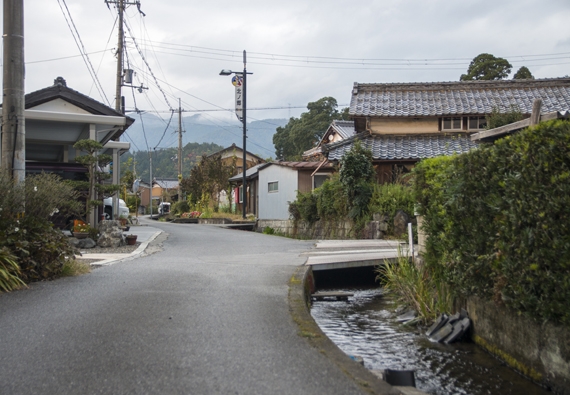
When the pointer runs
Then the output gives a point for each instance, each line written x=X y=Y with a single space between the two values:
x=123 y=209
x=164 y=208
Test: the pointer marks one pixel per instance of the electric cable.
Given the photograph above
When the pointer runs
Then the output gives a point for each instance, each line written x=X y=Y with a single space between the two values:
x=81 y=47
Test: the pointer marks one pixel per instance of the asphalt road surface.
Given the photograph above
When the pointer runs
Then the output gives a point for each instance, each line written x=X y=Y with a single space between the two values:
x=207 y=315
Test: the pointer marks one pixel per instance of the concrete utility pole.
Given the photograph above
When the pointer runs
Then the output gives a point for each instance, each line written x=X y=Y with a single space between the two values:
x=179 y=151
x=13 y=158
x=120 y=48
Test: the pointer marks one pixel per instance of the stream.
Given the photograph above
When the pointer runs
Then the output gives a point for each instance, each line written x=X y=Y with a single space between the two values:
x=365 y=326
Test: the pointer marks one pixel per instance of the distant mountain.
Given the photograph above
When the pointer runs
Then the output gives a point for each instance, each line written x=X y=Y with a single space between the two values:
x=202 y=129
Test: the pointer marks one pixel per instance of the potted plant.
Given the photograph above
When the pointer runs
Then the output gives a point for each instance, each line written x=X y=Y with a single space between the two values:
x=123 y=220
x=131 y=239
x=80 y=229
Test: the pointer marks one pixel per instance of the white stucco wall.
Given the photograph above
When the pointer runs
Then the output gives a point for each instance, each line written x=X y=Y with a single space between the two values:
x=274 y=205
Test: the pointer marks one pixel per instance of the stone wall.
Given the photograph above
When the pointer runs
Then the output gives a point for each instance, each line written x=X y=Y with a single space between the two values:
x=539 y=351
x=323 y=230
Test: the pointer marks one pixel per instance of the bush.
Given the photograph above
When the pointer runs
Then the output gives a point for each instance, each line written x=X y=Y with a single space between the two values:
x=304 y=208
x=9 y=271
x=389 y=198
x=497 y=220
x=133 y=202
x=38 y=248
x=180 y=207
x=332 y=204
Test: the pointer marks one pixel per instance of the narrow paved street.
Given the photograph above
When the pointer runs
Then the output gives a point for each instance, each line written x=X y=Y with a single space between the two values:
x=207 y=315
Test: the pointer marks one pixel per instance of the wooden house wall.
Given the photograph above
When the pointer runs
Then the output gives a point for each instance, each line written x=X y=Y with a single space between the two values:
x=404 y=126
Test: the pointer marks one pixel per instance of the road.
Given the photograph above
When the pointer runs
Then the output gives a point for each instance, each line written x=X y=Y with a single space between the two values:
x=207 y=315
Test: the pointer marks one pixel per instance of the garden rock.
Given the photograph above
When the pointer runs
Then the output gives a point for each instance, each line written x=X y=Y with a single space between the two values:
x=86 y=243
x=111 y=234
x=401 y=220
x=82 y=243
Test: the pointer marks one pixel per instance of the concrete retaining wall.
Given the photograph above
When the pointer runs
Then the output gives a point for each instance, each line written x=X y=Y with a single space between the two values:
x=539 y=351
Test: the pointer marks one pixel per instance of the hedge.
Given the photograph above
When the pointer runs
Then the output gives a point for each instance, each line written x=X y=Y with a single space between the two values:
x=497 y=220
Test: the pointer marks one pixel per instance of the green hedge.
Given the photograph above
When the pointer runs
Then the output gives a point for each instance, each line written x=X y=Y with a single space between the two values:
x=497 y=220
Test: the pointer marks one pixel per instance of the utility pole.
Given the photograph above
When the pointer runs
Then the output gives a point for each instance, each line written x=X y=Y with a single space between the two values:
x=179 y=151
x=120 y=47
x=13 y=157
x=119 y=100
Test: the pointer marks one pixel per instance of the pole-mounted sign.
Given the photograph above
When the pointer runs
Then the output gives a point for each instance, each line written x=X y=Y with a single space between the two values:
x=237 y=81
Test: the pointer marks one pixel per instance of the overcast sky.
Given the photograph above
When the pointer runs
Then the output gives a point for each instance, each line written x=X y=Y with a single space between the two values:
x=298 y=51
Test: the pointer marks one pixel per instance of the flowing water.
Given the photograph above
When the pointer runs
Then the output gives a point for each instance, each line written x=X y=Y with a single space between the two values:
x=365 y=326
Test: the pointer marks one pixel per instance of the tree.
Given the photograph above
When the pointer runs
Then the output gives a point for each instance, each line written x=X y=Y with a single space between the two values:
x=487 y=67
x=356 y=176
x=209 y=179
x=301 y=134
x=93 y=189
x=497 y=118
x=523 y=74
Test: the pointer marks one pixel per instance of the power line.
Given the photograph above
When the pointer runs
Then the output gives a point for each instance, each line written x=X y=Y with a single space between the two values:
x=81 y=47
x=148 y=66
x=310 y=59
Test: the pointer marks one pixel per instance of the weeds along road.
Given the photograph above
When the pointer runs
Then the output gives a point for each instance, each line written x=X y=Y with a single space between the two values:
x=207 y=315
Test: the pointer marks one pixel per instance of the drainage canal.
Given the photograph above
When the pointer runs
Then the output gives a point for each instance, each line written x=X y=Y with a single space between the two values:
x=365 y=326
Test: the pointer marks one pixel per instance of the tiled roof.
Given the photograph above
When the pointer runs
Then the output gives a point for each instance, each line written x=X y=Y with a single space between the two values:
x=458 y=98
x=344 y=128
x=405 y=147
x=166 y=183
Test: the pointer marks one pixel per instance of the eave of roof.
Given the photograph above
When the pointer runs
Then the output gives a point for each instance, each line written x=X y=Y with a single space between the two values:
x=403 y=147
x=60 y=91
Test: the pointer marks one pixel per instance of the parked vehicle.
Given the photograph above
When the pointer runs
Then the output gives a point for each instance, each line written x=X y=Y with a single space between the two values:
x=164 y=208
x=123 y=209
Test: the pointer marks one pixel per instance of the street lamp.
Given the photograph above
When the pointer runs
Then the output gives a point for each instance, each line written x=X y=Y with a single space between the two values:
x=241 y=107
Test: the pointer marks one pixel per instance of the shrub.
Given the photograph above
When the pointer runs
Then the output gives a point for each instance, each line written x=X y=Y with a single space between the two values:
x=133 y=202
x=38 y=248
x=305 y=208
x=268 y=230
x=496 y=220
x=389 y=198
x=9 y=271
x=180 y=207
x=332 y=204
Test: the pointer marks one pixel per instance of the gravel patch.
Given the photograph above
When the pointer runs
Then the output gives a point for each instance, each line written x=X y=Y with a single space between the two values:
x=126 y=249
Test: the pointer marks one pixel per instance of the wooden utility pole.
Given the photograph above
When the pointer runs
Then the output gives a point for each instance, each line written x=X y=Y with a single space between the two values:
x=179 y=151
x=13 y=158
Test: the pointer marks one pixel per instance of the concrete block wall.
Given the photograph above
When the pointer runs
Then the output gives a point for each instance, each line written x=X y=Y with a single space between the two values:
x=540 y=351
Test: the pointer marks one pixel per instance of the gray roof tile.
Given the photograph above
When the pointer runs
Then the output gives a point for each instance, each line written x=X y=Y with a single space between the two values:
x=457 y=98
x=406 y=147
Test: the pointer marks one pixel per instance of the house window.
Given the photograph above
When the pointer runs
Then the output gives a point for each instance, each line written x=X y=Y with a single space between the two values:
x=477 y=123
x=273 y=186
x=240 y=193
x=319 y=179
x=451 y=123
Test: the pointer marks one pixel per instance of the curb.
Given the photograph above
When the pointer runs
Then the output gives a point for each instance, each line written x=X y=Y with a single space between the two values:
x=308 y=328
x=140 y=249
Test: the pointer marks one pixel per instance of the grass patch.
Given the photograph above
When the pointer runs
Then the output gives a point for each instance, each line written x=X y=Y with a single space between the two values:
x=415 y=286
x=74 y=267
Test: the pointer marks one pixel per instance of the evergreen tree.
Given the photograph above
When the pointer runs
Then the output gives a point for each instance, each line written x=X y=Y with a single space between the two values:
x=487 y=67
